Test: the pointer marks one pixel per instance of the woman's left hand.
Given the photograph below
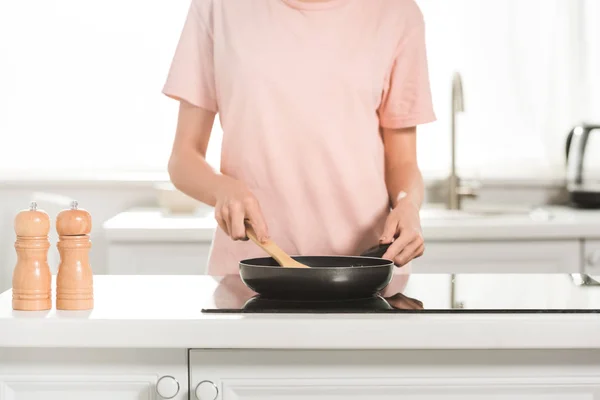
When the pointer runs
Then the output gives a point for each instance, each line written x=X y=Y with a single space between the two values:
x=404 y=224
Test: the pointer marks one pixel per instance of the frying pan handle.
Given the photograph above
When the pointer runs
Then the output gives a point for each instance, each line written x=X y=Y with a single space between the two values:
x=376 y=251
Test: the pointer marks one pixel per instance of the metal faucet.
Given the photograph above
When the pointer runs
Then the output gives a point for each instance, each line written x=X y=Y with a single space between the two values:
x=455 y=191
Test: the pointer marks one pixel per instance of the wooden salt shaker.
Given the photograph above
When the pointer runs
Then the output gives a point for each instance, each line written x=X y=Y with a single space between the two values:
x=32 y=279
x=74 y=281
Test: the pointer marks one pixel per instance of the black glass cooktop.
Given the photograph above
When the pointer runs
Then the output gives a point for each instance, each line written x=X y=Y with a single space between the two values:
x=432 y=293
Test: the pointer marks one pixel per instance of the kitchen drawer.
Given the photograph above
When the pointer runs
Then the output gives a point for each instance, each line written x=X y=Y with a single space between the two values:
x=547 y=256
x=93 y=374
x=389 y=375
x=157 y=258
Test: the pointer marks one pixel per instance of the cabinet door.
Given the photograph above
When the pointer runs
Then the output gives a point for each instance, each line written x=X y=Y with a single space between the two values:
x=390 y=375
x=501 y=257
x=93 y=374
x=390 y=390
x=44 y=387
x=158 y=258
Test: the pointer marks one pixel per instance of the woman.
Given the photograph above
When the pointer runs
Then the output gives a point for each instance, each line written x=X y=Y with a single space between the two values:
x=319 y=103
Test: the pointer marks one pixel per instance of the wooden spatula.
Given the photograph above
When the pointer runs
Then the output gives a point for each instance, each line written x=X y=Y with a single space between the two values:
x=274 y=251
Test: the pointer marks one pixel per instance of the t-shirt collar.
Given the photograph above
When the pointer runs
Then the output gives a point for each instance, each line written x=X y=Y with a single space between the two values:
x=314 y=5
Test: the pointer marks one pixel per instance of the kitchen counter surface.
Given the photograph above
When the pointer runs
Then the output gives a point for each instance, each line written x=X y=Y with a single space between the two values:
x=165 y=312
x=483 y=223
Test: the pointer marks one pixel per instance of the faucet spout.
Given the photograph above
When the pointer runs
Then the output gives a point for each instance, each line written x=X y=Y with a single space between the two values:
x=458 y=103
x=458 y=106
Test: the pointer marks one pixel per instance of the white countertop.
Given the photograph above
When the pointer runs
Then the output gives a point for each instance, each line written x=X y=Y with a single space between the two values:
x=538 y=224
x=146 y=225
x=165 y=312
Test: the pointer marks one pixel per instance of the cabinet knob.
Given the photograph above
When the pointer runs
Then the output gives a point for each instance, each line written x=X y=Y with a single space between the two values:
x=593 y=260
x=206 y=390
x=167 y=387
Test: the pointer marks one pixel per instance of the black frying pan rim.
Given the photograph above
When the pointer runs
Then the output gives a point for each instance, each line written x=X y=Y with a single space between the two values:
x=384 y=262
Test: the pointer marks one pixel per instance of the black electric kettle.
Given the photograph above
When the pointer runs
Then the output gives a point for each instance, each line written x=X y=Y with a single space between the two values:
x=583 y=180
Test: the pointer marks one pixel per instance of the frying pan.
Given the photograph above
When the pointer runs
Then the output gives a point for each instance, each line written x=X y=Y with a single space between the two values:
x=328 y=278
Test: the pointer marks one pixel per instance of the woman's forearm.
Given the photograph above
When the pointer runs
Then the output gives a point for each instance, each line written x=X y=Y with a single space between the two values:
x=406 y=191
x=234 y=204
x=188 y=169
x=192 y=175
x=404 y=181
x=402 y=174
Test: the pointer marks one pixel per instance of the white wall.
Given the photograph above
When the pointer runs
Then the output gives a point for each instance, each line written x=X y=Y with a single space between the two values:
x=522 y=63
x=591 y=33
x=102 y=202
x=528 y=76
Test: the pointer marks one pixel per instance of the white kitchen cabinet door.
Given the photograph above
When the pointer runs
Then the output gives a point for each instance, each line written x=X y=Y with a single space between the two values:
x=500 y=257
x=44 y=387
x=387 y=375
x=394 y=390
x=155 y=258
x=76 y=374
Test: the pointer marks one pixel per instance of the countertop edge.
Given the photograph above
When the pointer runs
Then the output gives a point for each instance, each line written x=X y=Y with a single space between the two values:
x=565 y=223
x=433 y=233
x=400 y=332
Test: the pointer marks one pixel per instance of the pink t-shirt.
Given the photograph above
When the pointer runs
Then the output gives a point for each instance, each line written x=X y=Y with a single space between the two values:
x=302 y=89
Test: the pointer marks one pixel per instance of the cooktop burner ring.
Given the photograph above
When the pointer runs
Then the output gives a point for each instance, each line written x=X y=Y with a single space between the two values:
x=370 y=304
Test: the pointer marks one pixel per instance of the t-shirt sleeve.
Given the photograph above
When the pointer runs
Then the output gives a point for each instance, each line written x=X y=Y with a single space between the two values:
x=407 y=99
x=191 y=75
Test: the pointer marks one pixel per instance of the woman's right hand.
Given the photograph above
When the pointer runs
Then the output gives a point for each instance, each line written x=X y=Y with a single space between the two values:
x=234 y=206
x=234 y=203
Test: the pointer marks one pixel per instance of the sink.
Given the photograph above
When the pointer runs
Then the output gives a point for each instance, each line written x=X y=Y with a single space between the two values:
x=489 y=211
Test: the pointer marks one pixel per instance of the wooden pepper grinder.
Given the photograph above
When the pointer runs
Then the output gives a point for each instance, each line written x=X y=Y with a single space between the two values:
x=74 y=281
x=32 y=279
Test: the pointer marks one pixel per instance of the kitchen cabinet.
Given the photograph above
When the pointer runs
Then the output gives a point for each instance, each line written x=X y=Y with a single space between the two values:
x=114 y=387
x=244 y=374
x=148 y=242
x=502 y=256
x=388 y=375
x=156 y=258
x=149 y=346
x=181 y=258
x=152 y=242
x=75 y=374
